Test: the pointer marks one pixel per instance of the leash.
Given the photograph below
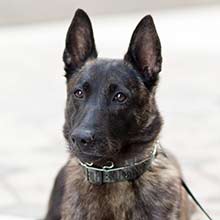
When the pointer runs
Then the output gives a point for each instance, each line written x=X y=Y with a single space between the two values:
x=194 y=199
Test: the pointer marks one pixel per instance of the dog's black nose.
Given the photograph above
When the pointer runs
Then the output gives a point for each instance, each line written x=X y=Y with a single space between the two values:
x=83 y=138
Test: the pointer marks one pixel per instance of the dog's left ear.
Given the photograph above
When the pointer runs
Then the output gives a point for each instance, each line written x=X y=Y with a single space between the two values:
x=80 y=43
x=144 y=52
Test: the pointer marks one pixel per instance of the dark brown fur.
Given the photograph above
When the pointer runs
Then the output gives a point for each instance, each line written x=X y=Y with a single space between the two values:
x=157 y=194
x=124 y=132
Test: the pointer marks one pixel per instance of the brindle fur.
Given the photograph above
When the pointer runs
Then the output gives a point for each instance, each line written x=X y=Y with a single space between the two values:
x=124 y=132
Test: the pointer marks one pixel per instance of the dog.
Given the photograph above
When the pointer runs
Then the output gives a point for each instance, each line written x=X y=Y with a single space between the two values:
x=117 y=170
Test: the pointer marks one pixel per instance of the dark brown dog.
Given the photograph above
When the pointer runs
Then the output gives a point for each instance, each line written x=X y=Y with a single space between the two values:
x=112 y=120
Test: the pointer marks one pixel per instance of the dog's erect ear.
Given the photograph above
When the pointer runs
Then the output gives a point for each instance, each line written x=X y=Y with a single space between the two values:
x=144 y=52
x=80 y=44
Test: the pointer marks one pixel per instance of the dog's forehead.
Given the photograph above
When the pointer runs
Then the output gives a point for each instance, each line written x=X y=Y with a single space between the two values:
x=108 y=71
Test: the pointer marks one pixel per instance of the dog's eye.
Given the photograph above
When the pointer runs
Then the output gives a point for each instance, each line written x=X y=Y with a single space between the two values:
x=79 y=93
x=120 y=97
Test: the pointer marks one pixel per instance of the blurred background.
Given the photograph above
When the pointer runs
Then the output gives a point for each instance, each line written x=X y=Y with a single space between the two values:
x=32 y=90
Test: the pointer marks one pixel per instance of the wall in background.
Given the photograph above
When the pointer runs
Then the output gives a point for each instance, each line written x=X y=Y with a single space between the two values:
x=28 y=11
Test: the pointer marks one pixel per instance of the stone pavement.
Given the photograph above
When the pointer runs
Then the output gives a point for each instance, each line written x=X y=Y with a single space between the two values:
x=32 y=99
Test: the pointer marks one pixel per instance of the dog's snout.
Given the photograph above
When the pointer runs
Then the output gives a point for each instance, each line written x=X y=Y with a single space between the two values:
x=83 y=138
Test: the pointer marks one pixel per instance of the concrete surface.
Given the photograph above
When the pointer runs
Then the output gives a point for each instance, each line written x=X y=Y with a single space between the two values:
x=32 y=89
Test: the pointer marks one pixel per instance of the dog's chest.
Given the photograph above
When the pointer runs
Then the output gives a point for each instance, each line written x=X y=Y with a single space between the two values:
x=99 y=202
x=155 y=195
x=122 y=203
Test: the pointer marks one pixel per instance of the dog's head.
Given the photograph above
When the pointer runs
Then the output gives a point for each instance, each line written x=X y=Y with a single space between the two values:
x=110 y=110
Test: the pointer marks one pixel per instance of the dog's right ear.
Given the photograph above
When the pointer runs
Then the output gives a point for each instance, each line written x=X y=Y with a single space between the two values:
x=80 y=43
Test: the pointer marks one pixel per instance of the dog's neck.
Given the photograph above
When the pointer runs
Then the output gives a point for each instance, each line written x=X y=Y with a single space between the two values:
x=122 y=159
x=111 y=174
x=134 y=155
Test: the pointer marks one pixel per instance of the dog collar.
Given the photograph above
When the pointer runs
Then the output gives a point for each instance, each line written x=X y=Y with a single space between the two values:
x=109 y=174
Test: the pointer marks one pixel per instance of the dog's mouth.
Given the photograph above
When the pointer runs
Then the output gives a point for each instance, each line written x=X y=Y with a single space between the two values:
x=85 y=156
x=90 y=156
x=97 y=158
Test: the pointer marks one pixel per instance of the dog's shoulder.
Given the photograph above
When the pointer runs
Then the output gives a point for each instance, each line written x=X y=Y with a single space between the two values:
x=164 y=172
x=55 y=202
x=160 y=187
x=66 y=184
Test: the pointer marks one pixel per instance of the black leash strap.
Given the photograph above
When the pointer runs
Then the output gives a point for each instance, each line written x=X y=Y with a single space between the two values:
x=194 y=199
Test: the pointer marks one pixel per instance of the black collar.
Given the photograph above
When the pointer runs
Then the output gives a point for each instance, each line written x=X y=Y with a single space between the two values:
x=109 y=174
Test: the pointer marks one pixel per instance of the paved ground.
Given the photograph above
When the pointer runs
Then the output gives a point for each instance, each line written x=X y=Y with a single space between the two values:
x=33 y=95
